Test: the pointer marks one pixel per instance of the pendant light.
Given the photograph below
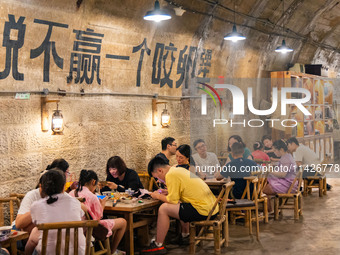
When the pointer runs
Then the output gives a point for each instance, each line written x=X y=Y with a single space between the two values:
x=283 y=48
x=234 y=36
x=157 y=14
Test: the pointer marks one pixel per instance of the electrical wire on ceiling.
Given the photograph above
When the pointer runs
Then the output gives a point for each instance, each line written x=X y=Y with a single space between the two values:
x=288 y=32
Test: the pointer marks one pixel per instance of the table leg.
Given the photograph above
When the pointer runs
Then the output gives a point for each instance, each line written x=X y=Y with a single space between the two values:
x=14 y=250
x=129 y=244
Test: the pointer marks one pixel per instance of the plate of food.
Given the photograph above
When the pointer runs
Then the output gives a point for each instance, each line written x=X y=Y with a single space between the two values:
x=128 y=200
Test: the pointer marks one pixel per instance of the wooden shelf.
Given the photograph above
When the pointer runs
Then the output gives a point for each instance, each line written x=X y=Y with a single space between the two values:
x=311 y=130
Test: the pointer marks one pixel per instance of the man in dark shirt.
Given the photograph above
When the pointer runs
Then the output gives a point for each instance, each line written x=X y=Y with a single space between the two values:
x=239 y=168
x=169 y=147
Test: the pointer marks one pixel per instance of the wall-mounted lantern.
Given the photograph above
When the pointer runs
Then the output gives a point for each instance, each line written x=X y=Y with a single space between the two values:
x=165 y=116
x=57 y=122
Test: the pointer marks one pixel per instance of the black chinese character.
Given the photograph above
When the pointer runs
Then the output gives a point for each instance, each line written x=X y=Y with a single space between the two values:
x=142 y=47
x=46 y=47
x=159 y=59
x=85 y=64
x=13 y=44
x=185 y=61
x=157 y=63
x=205 y=63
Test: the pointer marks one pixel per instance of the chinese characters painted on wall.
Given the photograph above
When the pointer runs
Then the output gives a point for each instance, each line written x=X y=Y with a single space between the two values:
x=171 y=66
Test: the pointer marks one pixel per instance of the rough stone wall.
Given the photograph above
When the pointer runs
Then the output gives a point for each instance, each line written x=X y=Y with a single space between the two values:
x=97 y=127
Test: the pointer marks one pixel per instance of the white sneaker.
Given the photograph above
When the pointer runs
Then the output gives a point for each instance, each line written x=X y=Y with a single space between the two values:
x=118 y=252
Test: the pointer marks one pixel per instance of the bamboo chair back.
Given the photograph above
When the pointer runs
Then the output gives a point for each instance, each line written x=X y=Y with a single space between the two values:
x=67 y=226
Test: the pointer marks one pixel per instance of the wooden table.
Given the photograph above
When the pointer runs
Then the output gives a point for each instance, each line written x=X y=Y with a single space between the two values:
x=11 y=242
x=128 y=211
x=215 y=184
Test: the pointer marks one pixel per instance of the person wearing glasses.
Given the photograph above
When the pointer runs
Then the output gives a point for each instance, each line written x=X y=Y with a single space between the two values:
x=206 y=162
x=169 y=147
x=63 y=165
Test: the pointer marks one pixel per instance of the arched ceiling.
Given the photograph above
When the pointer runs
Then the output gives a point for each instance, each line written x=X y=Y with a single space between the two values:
x=312 y=27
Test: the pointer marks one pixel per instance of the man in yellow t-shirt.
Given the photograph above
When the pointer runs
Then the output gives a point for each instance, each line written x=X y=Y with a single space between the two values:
x=188 y=198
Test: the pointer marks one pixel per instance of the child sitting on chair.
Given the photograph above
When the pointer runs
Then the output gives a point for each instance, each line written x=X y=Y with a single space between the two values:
x=88 y=181
x=268 y=148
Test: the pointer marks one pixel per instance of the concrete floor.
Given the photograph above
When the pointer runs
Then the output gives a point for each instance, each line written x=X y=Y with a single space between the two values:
x=317 y=231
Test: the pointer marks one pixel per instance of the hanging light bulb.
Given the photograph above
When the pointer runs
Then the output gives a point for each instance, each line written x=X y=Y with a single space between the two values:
x=283 y=48
x=165 y=118
x=234 y=36
x=57 y=122
x=157 y=14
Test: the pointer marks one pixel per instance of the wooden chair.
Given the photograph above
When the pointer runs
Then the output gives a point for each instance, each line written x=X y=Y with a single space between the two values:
x=262 y=198
x=67 y=226
x=282 y=200
x=19 y=197
x=153 y=183
x=248 y=205
x=318 y=181
x=310 y=183
x=219 y=224
x=10 y=201
x=104 y=246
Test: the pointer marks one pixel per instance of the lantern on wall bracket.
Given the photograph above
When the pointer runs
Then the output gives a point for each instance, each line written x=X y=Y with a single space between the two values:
x=57 y=125
x=165 y=116
x=57 y=122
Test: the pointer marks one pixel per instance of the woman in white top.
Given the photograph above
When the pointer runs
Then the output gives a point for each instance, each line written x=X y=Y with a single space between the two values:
x=56 y=206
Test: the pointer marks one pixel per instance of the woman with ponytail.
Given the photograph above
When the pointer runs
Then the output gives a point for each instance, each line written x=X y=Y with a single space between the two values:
x=56 y=206
x=284 y=173
x=88 y=181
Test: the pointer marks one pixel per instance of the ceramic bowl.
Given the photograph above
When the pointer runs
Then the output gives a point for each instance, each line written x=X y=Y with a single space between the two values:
x=5 y=232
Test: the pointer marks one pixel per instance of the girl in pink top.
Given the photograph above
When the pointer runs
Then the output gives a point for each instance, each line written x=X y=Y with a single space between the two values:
x=88 y=181
x=258 y=152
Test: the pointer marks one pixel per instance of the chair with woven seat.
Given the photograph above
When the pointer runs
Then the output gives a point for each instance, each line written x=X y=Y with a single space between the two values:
x=219 y=224
x=67 y=226
x=283 y=200
x=248 y=205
